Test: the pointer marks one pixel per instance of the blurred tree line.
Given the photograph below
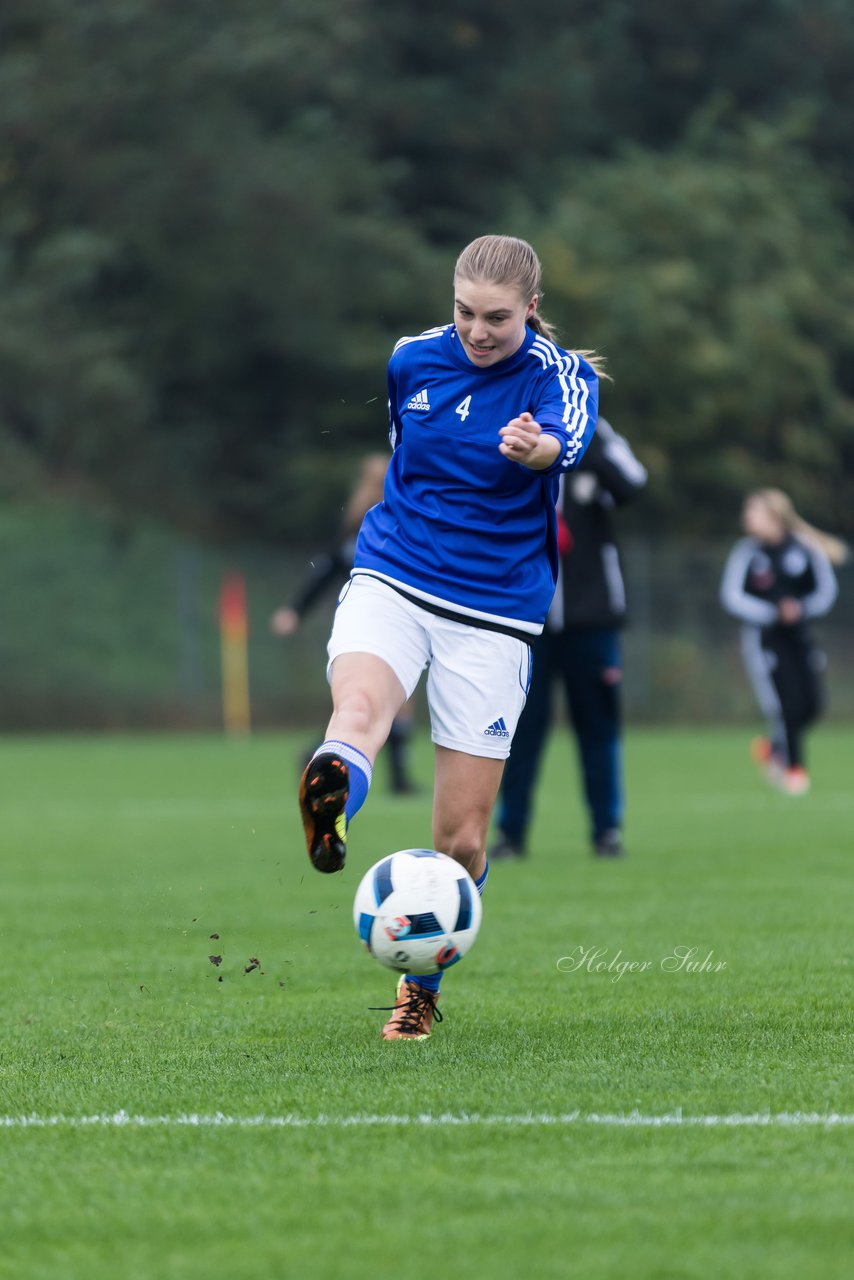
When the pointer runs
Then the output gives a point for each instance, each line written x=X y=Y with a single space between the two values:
x=216 y=218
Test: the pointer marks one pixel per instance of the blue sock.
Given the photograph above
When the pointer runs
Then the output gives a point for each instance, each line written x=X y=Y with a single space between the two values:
x=361 y=772
x=431 y=981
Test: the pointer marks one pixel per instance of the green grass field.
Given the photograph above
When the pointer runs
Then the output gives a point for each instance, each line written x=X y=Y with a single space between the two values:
x=562 y=1121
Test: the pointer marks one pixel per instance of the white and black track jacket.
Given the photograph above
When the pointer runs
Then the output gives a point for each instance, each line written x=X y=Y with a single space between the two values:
x=758 y=575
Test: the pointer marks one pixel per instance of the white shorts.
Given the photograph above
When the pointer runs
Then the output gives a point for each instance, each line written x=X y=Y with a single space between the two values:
x=477 y=681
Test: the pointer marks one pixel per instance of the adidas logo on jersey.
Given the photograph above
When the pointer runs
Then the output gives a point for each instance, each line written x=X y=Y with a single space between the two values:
x=419 y=401
x=497 y=730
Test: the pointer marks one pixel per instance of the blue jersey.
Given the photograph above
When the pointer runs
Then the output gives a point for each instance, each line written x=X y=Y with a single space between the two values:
x=461 y=528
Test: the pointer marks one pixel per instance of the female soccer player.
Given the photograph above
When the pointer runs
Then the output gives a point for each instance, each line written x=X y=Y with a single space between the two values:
x=455 y=569
x=776 y=580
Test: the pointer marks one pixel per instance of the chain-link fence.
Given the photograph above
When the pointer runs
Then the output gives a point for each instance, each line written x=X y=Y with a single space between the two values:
x=109 y=627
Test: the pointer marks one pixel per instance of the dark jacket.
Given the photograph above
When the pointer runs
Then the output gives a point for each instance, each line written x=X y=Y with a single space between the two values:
x=332 y=569
x=590 y=590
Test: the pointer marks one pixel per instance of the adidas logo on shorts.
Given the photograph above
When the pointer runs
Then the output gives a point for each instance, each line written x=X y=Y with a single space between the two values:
x=497 y=730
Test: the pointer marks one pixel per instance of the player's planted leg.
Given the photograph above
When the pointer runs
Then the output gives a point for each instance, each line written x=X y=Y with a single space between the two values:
x=417 y=997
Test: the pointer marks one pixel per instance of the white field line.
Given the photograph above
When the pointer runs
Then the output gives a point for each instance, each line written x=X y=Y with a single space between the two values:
x=630 y=1120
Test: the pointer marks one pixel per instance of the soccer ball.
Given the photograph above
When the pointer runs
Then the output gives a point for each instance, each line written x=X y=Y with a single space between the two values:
x=417 y=911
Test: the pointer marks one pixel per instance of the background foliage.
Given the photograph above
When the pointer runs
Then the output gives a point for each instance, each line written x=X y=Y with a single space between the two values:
x=215 y=219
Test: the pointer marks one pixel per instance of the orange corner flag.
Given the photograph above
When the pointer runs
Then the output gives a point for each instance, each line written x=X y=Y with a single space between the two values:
x=234 y=635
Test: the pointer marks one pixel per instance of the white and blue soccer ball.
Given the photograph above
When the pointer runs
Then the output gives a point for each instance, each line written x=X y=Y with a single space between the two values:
x=417 y=911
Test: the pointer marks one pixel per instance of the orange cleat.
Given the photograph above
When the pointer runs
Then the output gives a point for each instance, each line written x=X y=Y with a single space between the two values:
x=413 y=1014
x=770 y=765
x=795 y=781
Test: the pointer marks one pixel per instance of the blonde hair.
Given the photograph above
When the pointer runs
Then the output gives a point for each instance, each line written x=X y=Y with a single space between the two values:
x=505 y=260
x=781 y=506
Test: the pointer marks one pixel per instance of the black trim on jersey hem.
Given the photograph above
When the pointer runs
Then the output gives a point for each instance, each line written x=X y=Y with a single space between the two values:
x=482 y=624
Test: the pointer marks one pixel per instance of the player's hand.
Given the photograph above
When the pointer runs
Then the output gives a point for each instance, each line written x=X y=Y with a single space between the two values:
x=519 y=438
x=284 y=622
x=789 y=610
x=522 y=440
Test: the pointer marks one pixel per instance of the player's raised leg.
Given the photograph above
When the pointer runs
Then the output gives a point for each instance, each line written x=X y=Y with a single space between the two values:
x=366 y=696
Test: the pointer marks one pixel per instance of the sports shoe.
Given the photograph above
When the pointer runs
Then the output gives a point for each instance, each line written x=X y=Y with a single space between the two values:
x=504 y=847
x=323 y=791
x=795 y=781
x=413 y=1013
x=609 y=844
x=770 y=765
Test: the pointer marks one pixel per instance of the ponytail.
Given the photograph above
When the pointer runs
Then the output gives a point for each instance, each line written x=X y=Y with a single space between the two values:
x=781 y=506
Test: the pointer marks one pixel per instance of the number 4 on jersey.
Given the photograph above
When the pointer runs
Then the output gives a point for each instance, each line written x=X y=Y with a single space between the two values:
x=463 y=408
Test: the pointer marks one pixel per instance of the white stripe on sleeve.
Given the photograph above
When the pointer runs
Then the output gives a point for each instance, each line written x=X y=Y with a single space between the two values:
x=734 y=599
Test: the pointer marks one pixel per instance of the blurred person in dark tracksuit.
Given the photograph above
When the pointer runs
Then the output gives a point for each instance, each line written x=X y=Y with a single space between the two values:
x=332 y=570
x=580 y=646
x=777 y=580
